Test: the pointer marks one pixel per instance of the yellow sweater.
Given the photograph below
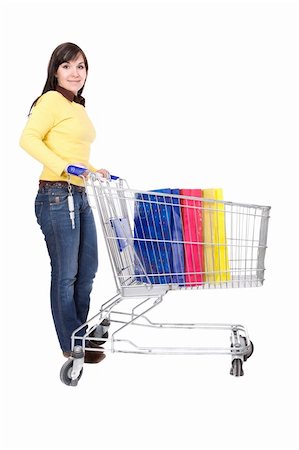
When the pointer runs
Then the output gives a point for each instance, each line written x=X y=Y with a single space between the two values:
x=58 y=132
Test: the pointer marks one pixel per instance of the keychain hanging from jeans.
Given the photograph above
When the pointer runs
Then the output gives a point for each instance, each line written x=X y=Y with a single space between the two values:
x=70 y=201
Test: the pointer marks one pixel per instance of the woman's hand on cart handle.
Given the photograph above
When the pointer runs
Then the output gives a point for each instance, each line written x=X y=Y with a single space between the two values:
x=104 y=174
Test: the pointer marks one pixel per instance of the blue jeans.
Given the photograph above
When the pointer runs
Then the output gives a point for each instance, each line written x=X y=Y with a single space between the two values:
x=73 y=254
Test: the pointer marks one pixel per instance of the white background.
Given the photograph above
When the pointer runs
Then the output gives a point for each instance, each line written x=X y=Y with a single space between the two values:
x=182 y=94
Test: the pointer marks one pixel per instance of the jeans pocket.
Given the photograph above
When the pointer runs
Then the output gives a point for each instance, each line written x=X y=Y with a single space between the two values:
x=58 y=200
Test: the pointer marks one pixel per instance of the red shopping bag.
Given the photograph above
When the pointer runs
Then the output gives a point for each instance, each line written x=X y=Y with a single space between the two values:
x=191 y=211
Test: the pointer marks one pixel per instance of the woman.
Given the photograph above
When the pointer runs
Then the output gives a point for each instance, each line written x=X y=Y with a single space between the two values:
x=58 y=134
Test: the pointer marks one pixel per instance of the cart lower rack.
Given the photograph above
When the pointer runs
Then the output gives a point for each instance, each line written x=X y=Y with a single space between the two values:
x=160 y=241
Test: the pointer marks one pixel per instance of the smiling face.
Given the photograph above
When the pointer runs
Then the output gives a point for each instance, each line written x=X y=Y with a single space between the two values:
x=71 y=75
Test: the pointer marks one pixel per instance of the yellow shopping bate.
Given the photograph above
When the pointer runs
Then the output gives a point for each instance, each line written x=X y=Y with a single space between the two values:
x=216 y=259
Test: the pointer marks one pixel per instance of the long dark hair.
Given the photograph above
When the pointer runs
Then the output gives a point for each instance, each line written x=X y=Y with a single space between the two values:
x=63 y=53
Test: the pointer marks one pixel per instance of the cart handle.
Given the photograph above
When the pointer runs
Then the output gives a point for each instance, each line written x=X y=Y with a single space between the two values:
x=80 y=170
x=101 y=178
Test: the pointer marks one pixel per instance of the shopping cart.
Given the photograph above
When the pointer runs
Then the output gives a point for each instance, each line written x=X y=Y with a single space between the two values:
x=161 y=241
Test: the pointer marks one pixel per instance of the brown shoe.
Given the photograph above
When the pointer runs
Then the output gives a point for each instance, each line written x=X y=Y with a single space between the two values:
x=92 y=357
x=67 y=354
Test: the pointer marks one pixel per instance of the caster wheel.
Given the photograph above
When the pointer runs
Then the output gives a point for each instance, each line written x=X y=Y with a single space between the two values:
x=65 y=373
x=100 y=332
x=249 y=351
x=237 y=368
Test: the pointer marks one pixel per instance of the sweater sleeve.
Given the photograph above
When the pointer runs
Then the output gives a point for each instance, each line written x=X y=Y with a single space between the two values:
x=40 y=122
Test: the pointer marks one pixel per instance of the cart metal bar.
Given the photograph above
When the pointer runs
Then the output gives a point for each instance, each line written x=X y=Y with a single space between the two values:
x=158 y=194
x=179 y=350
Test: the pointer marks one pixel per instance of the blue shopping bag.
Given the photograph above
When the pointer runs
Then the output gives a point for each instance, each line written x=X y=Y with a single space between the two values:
x=177 y=260
x=122 y=232
x=158 y=238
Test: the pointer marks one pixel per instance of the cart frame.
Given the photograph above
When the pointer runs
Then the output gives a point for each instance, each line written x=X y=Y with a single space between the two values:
x=112 y=201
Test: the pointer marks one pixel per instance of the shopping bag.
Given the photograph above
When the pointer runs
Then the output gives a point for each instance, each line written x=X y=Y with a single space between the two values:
x=177 y=246
x=122 y=232
x=191 y=211
x=216 y=261
x=158 y=238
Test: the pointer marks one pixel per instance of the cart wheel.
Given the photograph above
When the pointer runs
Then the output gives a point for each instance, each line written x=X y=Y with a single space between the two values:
x=98 y=333
x=237 y=368
x=250 y=351
x=65 y=373
x=105 y=336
